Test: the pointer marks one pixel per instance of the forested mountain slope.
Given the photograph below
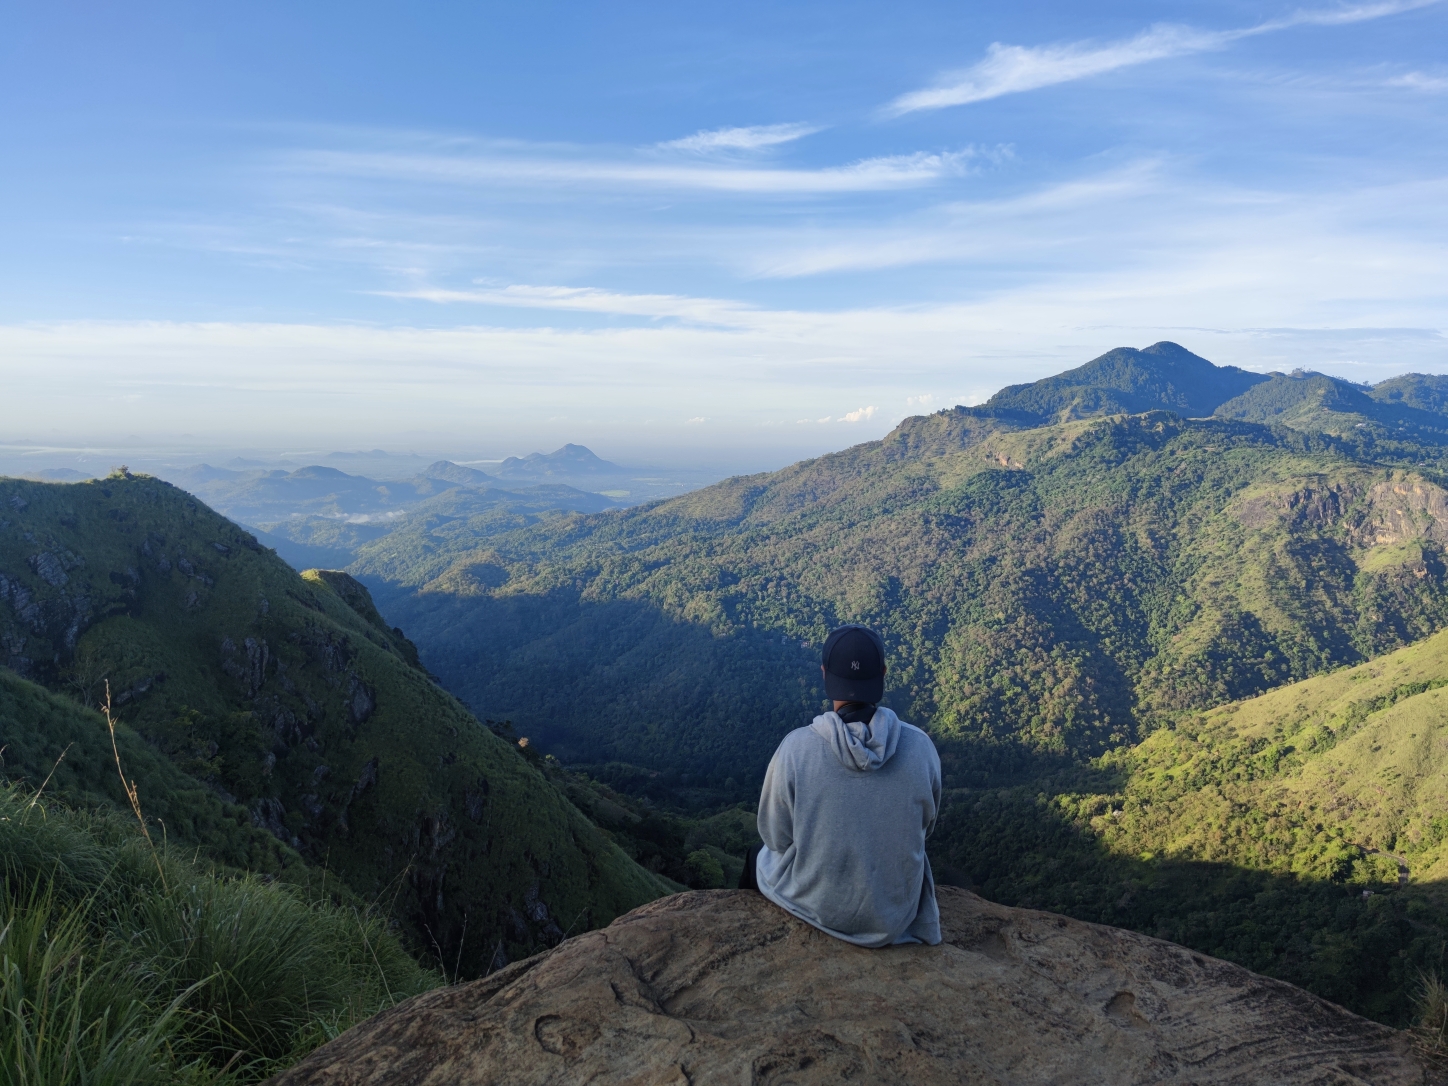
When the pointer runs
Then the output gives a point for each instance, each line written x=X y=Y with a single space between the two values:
x=288 y=696
x=55 y=748
x=1301 y=833
x=1317 y=402
x=1126 y=381
x=1064 y=587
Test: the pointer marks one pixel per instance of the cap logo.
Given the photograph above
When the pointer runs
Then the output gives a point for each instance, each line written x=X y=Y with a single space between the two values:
x=854 y=665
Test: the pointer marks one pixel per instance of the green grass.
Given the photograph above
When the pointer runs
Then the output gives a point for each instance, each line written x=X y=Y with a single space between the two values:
x=48 y=740
x=1267 y=831
x=120 y=964
x=1358 y=757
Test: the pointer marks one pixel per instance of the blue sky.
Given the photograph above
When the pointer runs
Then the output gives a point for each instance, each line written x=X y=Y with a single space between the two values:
x=743 y=230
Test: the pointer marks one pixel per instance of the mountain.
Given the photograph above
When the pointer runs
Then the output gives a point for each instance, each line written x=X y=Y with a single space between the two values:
x=1126 y=381
x=448 y=472
x=261 y=495
x=1060 y=603
x=305 y=555
x=579 y=467
x=1317 y=402
x=418 y=544
x=1056 y=589
x=1299 y=833
x=1426 y=392
x=289 y=697
x=319 y=516
x=725 y=987
x=567 y=462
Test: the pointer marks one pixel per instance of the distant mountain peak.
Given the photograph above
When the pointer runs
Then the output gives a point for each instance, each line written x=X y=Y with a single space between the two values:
x=569 y=460
x=318 y=471
x=1126 y=380
x=448 y=472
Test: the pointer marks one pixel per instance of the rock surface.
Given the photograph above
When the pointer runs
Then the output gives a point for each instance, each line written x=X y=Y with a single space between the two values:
x=721 y=986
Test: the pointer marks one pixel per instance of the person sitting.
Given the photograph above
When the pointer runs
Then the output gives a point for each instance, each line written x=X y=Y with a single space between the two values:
x=846 y=807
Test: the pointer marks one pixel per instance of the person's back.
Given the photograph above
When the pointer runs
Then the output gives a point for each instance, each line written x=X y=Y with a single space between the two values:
x=846 y=807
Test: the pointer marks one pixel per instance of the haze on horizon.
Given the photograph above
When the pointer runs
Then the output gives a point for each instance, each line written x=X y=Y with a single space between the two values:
x=736 y=236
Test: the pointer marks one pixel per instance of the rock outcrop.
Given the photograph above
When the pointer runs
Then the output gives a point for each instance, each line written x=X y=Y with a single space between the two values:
x=723 y=987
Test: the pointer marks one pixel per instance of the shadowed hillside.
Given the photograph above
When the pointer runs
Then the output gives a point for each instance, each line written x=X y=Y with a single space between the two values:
x=1317 y=402
x=287 y=696
x=54 y=747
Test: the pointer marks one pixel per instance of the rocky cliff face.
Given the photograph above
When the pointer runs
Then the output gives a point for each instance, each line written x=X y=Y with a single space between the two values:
x=723 y=987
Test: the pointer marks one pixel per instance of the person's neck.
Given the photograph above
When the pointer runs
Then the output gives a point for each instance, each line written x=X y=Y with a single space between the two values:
x=855 y=710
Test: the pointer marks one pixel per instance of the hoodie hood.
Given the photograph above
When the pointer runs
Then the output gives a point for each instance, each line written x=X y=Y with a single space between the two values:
x=860 y=745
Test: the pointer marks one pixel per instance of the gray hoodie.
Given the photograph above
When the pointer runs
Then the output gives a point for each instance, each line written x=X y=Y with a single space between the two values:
x=844 y=815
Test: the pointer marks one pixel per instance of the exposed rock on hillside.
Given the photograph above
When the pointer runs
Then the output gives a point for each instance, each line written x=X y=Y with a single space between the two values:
x=722 y=987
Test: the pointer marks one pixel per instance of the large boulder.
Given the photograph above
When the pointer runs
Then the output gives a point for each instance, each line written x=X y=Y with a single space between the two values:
x=720 y=986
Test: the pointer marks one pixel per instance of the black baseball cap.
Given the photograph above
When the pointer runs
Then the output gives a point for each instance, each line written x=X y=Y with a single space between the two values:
x=854 y=659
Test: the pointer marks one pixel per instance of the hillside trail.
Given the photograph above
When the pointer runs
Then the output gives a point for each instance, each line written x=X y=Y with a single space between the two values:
x=1403 y=873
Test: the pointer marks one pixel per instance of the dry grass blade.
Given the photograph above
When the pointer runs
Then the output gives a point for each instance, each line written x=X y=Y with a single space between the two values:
x=41 y=790
x=130 y=788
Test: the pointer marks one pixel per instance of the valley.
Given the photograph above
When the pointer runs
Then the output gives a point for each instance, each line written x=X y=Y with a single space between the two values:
x=301 y=711
x=1085 y=606
x=1179 y=632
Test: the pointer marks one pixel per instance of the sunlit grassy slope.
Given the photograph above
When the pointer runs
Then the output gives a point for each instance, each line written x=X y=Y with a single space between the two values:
x=1306 y=777
x=1269 y=831
x=287 y=696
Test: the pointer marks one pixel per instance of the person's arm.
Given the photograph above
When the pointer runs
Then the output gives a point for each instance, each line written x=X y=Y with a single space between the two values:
x=934 y=788
x=776 y=804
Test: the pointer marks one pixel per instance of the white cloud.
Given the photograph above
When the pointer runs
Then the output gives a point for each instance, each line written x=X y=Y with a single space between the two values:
x=753 y=138
x=866 y=175
x=860 y=414
x=698 y=418
x=1045 y=220
x=1421 y=81
x=920 y=401
x=591 y=300
x=1011 y=69
x=1267 y=280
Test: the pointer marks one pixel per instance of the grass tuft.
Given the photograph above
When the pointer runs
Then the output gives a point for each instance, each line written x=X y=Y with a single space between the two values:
x=121 y=963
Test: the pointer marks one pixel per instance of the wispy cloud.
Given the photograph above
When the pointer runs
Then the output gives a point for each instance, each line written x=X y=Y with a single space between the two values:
x=1011 y=69
x=869 y=174
x=1421 y=81
x=1046 y=219
x=714 y=311
x=860 y=414
x=753 y=138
